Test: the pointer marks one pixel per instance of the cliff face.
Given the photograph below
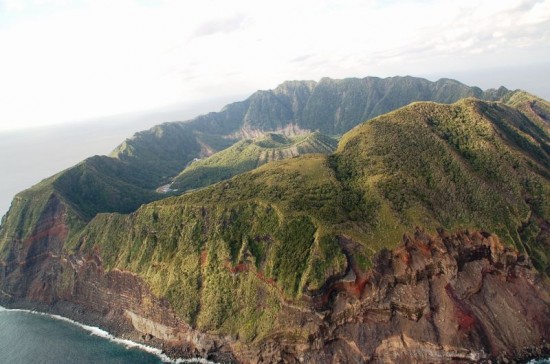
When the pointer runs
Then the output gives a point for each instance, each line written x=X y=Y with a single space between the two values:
x=123 y=302
x=39 y=274
x=448 y=297
x=26 y=271
x=317 y=258
x=452 y=297
x=459 y=296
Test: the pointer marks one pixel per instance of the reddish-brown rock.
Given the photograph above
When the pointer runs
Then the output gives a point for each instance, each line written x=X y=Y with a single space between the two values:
x=435 y=298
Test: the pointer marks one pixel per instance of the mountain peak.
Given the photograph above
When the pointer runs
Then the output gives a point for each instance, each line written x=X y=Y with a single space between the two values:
x=428 y=221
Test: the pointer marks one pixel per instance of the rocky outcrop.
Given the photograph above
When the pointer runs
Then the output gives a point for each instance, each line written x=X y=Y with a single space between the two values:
x=448 y=297
x=451 y=297
x=435 y=298
x=26 y=271
x=459 y=297
x=39 y=275
x=127 y=307
x=119 y=302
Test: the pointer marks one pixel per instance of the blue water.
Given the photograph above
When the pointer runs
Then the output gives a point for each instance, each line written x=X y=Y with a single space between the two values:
x=27 y=337
x=36 y=338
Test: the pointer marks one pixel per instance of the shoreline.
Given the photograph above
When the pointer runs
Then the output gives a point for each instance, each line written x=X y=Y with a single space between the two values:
x=129 y=344
x=96 y=331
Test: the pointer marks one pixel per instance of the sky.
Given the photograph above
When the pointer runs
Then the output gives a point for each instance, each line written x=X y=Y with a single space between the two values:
x=64 y=60
x=44 y=151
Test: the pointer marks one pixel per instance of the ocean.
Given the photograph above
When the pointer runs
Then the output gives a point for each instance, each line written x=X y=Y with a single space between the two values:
x=26 y=157
x=31 y=337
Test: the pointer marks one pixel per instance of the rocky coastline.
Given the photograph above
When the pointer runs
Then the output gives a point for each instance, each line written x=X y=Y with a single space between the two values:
x=460 y=297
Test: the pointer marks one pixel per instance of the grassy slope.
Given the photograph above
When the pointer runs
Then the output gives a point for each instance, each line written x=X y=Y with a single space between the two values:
x=249 y=154
x=472 y=164
x=26 y=209
x=537 y=109
x=128 y=178
x=162 y=151
x=468 y=165
x=96 y=184
x=121 y=182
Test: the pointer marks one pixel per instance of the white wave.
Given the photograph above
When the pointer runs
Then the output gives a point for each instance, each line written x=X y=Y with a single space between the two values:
x=129 y=344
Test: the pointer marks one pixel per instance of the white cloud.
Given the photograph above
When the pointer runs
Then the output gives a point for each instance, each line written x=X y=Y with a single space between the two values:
x=62 y=60
x=223 y=25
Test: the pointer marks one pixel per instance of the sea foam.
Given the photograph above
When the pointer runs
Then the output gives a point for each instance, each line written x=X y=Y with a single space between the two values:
x=129 y=344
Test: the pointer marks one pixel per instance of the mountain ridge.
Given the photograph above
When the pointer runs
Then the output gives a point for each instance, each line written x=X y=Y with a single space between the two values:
x=292 y=259
x=151 y=158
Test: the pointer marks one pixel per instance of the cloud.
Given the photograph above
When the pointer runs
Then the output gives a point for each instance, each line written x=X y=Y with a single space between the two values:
x=465 y=34
x=64 y=60
x=519 y=25
x=12 y=5
x=223 y=25
x=301 y=59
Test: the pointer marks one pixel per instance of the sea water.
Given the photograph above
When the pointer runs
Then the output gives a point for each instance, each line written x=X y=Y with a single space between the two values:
x=31 y=337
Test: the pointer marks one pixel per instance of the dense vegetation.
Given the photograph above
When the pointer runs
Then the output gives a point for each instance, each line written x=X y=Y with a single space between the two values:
x=131 y=174
x=472 y=164
x=228 y=256
x=249 y=154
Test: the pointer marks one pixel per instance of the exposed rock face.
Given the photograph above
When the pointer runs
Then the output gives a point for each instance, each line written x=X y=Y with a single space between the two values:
x=450 y=297
x=27 y=273
x=129 y=307
x=458 y=297
x=37 y=275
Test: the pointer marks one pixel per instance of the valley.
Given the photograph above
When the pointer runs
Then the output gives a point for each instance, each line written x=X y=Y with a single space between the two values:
x=355 y=220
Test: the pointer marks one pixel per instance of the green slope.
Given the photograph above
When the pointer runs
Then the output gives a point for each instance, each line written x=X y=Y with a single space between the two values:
x=96 y=184
x=158 y=153
x=129 y=177
x=131 y=174
x=469 y=165
x=249 y=154
x=537 y=109
x=120 y=182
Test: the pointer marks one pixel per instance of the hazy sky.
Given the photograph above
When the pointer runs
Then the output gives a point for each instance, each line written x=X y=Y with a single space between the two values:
x=64 y=60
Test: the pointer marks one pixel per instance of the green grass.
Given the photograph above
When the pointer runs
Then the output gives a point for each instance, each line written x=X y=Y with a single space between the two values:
x=247 y=155
x=470 y=165
x=229 y=255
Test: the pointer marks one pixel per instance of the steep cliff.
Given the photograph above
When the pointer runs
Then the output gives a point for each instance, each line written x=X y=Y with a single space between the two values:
x=426 y=236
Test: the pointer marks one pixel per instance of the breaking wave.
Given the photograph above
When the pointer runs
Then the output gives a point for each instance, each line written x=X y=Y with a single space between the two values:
x=129 y=344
